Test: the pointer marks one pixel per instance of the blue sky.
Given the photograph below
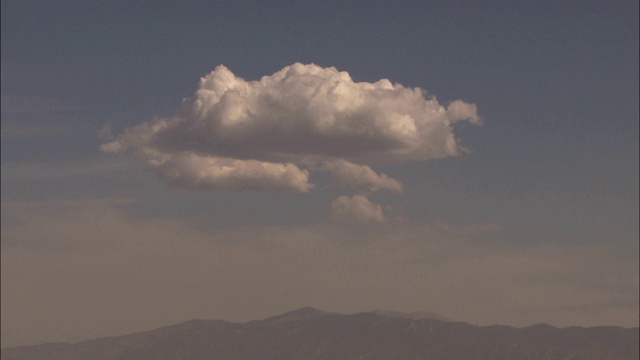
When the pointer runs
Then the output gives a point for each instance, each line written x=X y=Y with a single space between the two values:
x=538 y=222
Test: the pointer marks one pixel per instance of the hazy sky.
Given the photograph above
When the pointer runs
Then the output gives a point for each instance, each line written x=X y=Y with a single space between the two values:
x=165 y=161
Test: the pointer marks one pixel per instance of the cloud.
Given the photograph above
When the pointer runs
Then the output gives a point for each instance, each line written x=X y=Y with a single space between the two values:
x=345 y=173
x=356 y=208
x=268 y=134
x=196 y=172
x=459 y=110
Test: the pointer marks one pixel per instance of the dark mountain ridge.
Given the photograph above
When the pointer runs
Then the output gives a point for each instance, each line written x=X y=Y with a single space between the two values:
x=308 y=333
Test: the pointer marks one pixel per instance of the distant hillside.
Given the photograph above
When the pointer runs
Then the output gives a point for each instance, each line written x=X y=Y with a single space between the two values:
x=310 y=334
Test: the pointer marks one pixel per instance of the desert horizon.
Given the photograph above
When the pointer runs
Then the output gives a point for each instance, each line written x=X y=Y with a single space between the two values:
x=310 y=333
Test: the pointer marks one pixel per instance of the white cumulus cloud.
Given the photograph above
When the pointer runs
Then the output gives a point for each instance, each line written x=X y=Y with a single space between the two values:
x=460 y=110
x=267 y=135
x=356 y=208
x=196 y=172
x=345 y=173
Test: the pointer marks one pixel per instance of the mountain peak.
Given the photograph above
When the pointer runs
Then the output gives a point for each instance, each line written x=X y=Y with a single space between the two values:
x=315 y=334
x=302 y=313
x=413 y=315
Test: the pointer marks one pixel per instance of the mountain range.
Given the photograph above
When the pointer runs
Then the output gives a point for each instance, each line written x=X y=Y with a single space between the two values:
x=308 y=333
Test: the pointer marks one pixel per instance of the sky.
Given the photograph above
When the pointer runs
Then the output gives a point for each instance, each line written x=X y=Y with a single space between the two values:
x=167 y=161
